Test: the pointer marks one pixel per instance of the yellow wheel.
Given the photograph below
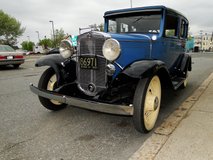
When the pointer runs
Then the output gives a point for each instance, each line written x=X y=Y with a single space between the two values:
x=48 y=81
x=185 y=83
x=51 y=85
x=146 y=103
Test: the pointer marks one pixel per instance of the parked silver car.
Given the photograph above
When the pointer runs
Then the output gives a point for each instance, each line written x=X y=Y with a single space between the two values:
x=8 y=56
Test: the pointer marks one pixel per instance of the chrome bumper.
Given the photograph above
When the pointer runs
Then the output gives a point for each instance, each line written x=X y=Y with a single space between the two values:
x=82 y=103
x=11 y=62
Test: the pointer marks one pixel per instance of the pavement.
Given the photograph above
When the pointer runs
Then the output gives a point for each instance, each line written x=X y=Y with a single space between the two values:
x=33 y=57
x=187 y=134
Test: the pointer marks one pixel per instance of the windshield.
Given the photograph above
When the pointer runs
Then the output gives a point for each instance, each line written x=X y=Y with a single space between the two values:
x=145 y=22
x=5 y=48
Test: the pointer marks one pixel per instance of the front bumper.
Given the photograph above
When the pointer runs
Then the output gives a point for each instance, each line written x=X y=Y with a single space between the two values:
x=11 y=62
x=83 y=103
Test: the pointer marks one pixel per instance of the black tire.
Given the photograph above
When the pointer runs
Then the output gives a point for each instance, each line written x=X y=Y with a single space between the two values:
x=146 y=94
x=43 y=82
x=16 y=66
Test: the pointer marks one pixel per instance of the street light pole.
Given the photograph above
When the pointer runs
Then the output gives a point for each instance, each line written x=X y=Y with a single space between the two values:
x=131 y=3
x=38 y=36
x=53 y=31
x=28 y=38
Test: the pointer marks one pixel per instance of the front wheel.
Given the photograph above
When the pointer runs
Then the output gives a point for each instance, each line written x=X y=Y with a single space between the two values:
x=146 y=103
x=48 y=81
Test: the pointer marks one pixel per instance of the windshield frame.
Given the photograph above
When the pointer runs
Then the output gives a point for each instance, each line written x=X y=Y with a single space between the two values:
x=136 y=14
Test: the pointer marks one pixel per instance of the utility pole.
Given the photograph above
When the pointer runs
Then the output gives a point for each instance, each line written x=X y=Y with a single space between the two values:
x=53 y=31
x=38 y=36
x=131 y=3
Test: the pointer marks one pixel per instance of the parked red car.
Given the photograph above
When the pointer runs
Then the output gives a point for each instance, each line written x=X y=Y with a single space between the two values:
x=8 y=56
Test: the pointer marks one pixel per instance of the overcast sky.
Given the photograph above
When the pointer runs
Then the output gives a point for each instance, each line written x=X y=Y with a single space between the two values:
x=72 y=14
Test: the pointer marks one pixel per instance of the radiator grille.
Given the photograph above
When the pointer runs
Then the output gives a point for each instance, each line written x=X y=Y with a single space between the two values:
x=91 y=44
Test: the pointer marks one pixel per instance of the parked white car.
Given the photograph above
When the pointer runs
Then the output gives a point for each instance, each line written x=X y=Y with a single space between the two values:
x=38 y=49
x=8 y=56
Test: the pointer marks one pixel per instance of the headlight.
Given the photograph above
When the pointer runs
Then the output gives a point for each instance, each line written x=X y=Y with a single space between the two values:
x=66 y=49
x=111 y=49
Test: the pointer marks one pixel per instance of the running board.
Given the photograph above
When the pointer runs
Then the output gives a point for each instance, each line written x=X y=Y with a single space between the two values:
x=177 y=82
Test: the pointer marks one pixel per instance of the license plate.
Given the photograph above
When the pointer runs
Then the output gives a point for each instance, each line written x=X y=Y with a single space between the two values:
x=9 y=57
x=88 y=62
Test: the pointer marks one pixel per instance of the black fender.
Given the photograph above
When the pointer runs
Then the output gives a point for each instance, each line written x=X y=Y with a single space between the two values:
x=54 y=61
x=143 y=68
x=183 y=65
x=146 y=68
x=186 y=63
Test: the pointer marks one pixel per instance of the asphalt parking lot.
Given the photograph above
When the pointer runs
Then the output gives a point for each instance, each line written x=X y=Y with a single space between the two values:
x=29 y=131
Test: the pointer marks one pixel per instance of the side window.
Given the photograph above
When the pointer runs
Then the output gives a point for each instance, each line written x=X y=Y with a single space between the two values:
x=183 y=31
x=112 y=26
x=171 y=26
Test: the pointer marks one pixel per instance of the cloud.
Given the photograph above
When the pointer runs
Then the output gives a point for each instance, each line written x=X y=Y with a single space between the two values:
x=72 y=14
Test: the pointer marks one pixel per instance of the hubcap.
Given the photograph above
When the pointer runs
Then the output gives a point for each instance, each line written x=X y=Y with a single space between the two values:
x=156 y=103
x=152 y=103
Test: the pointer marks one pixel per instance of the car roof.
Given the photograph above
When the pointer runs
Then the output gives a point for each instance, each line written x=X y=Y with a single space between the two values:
x=139 y=9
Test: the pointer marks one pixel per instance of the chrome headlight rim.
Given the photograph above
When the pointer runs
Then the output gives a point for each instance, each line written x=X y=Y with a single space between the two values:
x=111 y=49
x=66 y=48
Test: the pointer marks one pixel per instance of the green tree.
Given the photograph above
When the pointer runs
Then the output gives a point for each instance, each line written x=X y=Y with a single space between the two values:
x=170 y=32
x=101 y=27
x=54 y=41
x=10 y=29
x=59 y=35
x=27 y=45
x=46 y=42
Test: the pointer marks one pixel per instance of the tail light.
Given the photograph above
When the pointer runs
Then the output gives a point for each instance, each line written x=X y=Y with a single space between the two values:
x=2 y=57
x=19 y=57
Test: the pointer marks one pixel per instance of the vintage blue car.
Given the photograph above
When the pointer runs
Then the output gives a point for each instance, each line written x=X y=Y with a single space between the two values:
x=121 y=70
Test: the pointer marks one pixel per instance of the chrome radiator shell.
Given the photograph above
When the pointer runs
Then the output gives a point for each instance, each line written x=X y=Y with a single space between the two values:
x=90 y=44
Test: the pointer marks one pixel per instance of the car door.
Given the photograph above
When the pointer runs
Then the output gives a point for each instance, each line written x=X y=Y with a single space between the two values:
x=172 y=44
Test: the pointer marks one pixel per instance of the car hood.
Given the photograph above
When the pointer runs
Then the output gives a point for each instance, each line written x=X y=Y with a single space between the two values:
x=131 y=37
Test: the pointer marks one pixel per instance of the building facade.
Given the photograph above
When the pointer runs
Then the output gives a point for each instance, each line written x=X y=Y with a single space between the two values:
x=204 y=42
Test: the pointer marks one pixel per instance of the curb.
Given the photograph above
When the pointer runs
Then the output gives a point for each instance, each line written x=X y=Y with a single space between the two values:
x=153 y=144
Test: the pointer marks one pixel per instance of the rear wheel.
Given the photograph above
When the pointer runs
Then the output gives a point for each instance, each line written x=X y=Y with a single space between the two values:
x=146 y=103
x=48 y=81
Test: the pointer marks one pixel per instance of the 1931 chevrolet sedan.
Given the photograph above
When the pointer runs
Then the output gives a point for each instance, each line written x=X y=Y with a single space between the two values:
x=121 y=70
